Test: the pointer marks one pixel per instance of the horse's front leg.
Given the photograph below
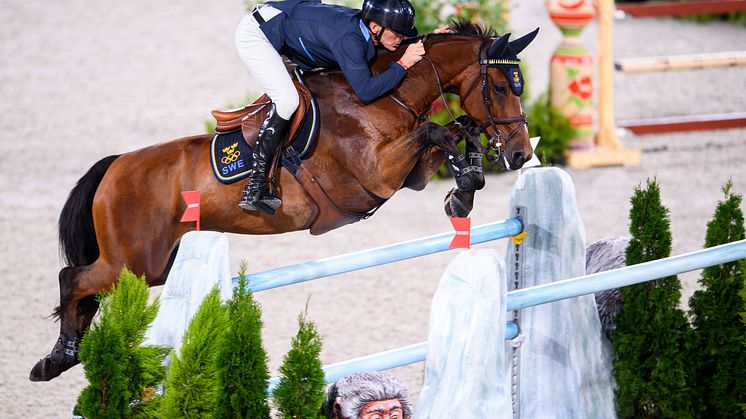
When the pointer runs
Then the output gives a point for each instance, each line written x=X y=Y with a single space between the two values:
x=473 y=136
x=466 y=170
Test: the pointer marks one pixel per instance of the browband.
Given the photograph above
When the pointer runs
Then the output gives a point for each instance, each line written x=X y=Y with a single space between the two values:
x=499 y=61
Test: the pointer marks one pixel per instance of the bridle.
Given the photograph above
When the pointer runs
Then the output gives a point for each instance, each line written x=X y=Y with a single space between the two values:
x=496 y=143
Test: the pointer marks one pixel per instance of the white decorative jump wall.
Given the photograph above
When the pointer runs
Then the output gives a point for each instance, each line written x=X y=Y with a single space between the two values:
x=540 y=239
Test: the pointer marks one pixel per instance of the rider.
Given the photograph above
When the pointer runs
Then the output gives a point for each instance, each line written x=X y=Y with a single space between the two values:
x=316 y=35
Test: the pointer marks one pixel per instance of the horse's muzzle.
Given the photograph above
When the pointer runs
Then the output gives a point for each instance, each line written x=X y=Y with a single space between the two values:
x=517 y=159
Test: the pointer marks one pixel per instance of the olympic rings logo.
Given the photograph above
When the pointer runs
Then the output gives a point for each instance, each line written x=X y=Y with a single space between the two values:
x=231 y=154
x=231 y=158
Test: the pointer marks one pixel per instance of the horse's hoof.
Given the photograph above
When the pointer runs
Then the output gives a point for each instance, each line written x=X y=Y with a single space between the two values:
x=64 y=356
x=457 y=204
x=44 y=370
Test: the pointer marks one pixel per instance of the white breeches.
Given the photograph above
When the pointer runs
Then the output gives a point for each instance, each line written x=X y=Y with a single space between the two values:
x=265 y=64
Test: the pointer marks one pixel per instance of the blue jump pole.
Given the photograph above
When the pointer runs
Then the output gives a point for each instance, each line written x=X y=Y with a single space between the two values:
x=302 y=272
x=629 y=275
x=383 y=360
x=548 y=293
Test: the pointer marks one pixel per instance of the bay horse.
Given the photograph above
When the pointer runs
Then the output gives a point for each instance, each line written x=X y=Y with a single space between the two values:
x=125 y=210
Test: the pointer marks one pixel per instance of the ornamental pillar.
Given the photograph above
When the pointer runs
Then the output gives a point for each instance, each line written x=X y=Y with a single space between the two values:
x=571 y=70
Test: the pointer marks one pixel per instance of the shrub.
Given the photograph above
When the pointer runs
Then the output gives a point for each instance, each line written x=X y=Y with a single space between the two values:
x=430 y=15
x=743 y=321
x=301 y=390
x=242 y=361
x=191 y=386
x=546 y=121
x=651 y=338
x=715 y=309
x=102 y=354
x=118 y=368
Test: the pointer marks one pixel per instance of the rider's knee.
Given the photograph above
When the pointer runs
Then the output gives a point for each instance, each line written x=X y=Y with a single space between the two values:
x=287 y=102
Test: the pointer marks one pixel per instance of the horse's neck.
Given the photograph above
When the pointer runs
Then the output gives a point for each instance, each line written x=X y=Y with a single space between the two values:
x=384 y=58
x=449 y=56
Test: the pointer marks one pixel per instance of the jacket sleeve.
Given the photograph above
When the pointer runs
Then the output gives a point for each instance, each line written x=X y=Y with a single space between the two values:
x=350 y=54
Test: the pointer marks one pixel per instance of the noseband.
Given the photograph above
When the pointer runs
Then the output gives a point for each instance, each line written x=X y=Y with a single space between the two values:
x=496 y=143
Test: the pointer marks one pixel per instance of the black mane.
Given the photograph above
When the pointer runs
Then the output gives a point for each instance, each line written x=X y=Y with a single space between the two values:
x=466 y=27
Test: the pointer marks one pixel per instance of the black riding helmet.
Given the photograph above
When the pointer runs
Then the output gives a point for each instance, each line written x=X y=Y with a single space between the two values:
x=394 y=15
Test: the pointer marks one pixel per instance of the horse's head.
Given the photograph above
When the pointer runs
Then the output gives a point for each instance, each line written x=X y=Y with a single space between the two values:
x=490 y=86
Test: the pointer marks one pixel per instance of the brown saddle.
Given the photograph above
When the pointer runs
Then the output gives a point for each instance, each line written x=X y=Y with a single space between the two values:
x=250 y=117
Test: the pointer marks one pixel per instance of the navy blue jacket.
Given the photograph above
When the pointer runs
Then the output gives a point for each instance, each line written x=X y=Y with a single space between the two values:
x=316 y=35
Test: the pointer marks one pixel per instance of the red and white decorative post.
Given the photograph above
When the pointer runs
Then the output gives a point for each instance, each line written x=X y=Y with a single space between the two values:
x=571 y=76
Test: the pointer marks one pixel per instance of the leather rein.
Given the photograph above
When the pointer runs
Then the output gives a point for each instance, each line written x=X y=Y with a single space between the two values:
x=496 y=143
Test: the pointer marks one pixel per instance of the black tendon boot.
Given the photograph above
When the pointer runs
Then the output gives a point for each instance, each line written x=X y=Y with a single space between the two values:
x=256 y=194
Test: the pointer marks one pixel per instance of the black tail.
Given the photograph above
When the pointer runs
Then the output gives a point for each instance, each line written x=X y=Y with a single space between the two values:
x=78 y=244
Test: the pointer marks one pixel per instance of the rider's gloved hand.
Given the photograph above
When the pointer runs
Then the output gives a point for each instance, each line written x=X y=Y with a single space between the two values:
x=413 y=54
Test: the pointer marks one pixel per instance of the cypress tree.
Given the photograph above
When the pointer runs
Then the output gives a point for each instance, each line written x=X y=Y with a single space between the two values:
x=102 y=355
x=743 y=321
x=715 y=309
x=301 y=390
x=191 y=386
x=651 y=337
x=242 y=361
x=119 y=369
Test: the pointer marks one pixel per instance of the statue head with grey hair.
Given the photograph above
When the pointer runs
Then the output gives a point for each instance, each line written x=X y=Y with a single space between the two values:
x=367 y=395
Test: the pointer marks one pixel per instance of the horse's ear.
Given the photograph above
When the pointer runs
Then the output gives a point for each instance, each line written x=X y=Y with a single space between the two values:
x=497 y=49
x=521 y=43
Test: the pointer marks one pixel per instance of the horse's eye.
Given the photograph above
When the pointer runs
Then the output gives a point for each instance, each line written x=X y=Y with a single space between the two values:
x=499 y=89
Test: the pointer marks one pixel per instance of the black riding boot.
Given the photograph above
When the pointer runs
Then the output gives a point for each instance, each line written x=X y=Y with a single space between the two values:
x=256 y=194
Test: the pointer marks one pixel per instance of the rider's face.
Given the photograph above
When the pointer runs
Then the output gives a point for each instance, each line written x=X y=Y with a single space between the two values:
x=390 y=39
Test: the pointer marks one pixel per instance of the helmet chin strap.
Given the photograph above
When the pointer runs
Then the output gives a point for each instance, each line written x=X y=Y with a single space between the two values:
x=377 y=37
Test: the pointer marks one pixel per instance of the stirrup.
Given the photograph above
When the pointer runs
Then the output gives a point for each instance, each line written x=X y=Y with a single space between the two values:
x=246 y=204
x=266 y=204
x=265 y=201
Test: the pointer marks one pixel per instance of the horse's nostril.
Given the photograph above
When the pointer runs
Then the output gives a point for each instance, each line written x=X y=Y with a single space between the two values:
x=518 y=158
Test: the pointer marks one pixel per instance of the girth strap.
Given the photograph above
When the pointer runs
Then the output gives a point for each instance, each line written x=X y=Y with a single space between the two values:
x=330 y=215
